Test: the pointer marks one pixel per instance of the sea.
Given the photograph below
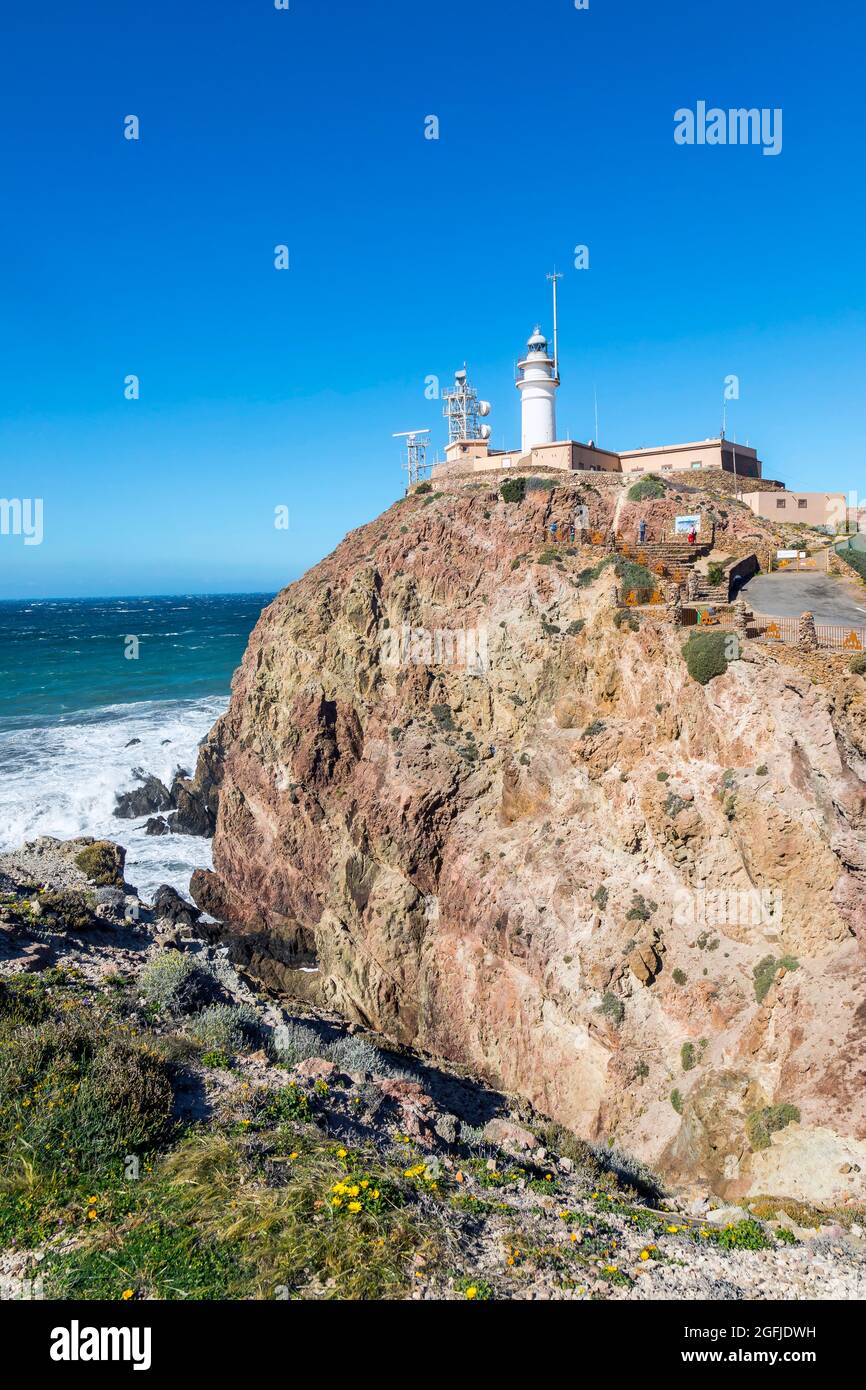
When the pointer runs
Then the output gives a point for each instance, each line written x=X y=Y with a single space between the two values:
x=93 y=690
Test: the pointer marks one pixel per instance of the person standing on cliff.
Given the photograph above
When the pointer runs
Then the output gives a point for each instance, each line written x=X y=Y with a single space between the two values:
x=641 y=531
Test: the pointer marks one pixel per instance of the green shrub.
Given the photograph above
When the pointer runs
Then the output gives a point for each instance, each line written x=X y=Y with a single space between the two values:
x=857 y=664
x=744 y=1235
x=423 y=487
x=576 y=627
x=102 y=863
x=624 y=617
x=68 y=910
x=218 y=1058
x=687 y=1056
x=762 y=1124
x=596 y=727
x=677 y=1101
x=662 y=776
x=705 y=655
x=294 y=1042
x=680 y=977
x=513 y=490
x=589 y=576
x=75 y=1097
x=444 y=717
x=174 y=983
x=646 y=489
x=715 y=575
x=612 y=1008
x=287 y=1105
x=766 y=970
x=225 y=1027
x=633 y=576
x=23 y=999
x=762 y=770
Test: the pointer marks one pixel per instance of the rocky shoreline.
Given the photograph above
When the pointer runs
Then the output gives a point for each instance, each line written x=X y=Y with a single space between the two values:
x=302 y=1117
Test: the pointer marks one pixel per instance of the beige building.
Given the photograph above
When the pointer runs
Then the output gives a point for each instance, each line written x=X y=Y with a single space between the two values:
x=476 y=456
x=680 y=458
x=811 y=508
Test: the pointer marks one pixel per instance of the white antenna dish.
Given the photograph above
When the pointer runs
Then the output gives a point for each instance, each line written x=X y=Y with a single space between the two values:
x=483 y=407
x=485 y=431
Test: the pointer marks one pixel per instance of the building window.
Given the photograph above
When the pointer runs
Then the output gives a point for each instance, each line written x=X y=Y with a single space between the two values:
x=780 y=501
x=802 y=502
x=696 y=463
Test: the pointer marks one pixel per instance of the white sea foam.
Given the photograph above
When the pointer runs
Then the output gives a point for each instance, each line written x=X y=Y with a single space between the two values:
x=61 y=779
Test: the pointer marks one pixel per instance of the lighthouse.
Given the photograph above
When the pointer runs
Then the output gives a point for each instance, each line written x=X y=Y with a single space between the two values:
x=537 y=385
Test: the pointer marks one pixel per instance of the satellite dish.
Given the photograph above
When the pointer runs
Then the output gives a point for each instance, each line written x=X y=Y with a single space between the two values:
x=485 y=431
x=483 y=407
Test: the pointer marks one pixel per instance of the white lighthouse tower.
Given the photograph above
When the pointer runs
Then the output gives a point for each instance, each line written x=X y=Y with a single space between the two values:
x=537 y=384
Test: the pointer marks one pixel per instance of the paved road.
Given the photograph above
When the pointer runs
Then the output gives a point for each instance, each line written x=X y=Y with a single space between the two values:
x=787 y=595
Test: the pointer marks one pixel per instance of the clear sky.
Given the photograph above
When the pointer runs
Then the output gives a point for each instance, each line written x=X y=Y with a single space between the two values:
x=306 y=127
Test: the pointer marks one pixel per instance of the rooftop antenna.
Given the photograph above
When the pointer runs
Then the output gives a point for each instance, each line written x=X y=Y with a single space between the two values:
x=595 y=397
x=462 y=410
x=416 y=453
x=556 y=275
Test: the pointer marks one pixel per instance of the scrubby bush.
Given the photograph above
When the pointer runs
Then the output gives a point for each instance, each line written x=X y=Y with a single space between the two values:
x=762 y=1124
x=75 y=1098
x=102 y=863
x=294 y=1042
x=688 y=1059
x=513 y=490
x=175 y=983
x=23 y=999
x=679 y=976
x=766 y=970
x=677 y=1101
x=646 y=489
x=67 y=910
x=612 y=1008
x=635 y=577
x=706 y=656
x=744 y=1235
x=857 y=664
x=225 y=1027
x=715 y=575
x=424 y=487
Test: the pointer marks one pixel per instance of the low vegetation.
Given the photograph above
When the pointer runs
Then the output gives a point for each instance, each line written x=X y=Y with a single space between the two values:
x=761 y=1125
x=647 y=489
x=705 y=655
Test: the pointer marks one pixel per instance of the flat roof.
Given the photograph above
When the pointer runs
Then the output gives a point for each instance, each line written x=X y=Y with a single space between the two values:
x=695 y=444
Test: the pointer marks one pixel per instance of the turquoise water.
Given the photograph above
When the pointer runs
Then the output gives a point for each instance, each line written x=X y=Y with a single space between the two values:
x=78 y=717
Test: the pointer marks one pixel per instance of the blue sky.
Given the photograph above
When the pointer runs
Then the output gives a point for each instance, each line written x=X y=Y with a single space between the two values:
x=262 y=388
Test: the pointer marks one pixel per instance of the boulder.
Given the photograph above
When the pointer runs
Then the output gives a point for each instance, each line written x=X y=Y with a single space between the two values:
x=150 y=797
x=508 y=1135
x=157 y=825
x=169 y=906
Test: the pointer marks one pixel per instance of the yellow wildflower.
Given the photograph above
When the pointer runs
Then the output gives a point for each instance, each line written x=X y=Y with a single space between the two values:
x=354 y=1206
x=472 y=1292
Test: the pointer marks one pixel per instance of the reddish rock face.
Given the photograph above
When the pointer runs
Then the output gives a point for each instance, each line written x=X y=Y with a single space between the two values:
x=459 y=804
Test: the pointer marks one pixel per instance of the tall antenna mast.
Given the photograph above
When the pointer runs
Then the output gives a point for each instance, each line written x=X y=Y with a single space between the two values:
x=416 y=453
x=556 y=275
x=595 y=398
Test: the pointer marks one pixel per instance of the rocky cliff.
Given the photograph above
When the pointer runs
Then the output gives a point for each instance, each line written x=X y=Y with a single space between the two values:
x=462 y=803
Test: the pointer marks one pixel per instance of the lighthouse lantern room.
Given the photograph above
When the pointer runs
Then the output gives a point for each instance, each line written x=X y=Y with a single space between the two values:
x=537 y=382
